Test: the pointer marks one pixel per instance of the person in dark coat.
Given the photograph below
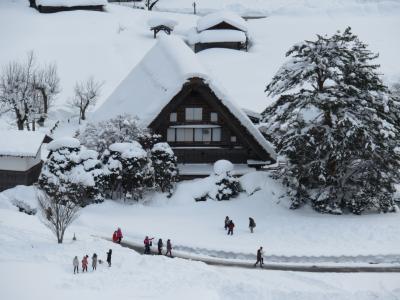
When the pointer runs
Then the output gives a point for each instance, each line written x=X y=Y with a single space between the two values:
x=226 y=222
x=231 y=225
x=252 y=224
x=109 y=253
x=260 y=258
x=94 y=261
x=160 y=245
x=169 y=248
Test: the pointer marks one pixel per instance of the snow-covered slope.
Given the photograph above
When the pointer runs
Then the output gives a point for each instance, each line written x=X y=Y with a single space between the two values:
x=109 y=44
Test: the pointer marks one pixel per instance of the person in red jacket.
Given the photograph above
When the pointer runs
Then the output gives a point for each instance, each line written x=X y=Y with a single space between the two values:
x=119 y=235
x=147 y=244
x=85 y=263
x=231 y=225
x=115 y=237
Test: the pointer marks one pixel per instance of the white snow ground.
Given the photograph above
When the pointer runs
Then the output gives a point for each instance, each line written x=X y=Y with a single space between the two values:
x=34 y=266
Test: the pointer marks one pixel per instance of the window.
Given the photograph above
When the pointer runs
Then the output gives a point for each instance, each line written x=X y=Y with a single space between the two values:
x=180 y=134
x=206 y=135
x=216 y=134
x=171 y=135
x=188 y=134
x=233 y=139
x=214 y=117
x=194 y=114
x=173 y=117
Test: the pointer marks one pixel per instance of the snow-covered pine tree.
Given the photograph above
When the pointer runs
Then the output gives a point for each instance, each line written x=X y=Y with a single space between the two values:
x=126 y=167
x=55 y=177
x=227 y=186
x=165 y=167
x=337 y=125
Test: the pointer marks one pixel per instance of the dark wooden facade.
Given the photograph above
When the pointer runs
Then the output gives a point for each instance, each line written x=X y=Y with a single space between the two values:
x=54 y=9
x=10 y=179
x=235 y=143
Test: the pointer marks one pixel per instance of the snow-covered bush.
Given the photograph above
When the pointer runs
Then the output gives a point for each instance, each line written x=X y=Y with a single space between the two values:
x=227 y=186
x=126 y=169
x=71 y=170
x=337 y=125
x=165 y=167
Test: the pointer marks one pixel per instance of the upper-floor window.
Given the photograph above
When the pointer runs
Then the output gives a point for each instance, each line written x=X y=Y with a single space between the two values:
x=233 y=138
x=173 y=117
x=193 y=113
x=214 y=117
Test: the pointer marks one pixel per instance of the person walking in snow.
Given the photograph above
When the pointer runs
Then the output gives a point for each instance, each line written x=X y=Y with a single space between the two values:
x=260 y=257
x=226 y=222
x=109 y=253
x=94 y=261
x=231 y=225
x=75 y=262
x=169 y=248
x=252 y=224
x=160 y=245
x=119 y=235
x=115 y=237
x=147 y=244
x=84 y=263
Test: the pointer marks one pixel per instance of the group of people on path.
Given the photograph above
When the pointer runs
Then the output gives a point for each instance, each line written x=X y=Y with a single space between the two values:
x=229 y=225
x=85 y=262
x=148 y=242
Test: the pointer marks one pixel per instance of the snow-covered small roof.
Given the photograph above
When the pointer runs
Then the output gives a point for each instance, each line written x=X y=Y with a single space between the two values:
x=20 y=143
x=252 y=113
x=217 y=35
x=216 y=18
x=158 y=21
x=161 y=74
x=64 y=142
x=71 y=3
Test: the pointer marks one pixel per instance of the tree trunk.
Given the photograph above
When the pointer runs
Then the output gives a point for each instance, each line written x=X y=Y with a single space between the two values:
x=20 y=124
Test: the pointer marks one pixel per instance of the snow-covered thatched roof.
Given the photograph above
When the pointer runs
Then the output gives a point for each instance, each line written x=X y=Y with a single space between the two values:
x=216 y=18
x=161 y=74
x=20 y=143
x=71 y=3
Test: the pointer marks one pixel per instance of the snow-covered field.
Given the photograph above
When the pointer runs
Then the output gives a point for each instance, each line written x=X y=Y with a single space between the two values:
x=34 y=266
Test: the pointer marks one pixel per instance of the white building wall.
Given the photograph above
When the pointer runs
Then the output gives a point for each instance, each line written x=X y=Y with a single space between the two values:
x=11 y=163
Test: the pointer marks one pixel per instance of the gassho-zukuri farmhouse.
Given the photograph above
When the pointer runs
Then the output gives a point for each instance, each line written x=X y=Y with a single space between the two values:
x=173 y=95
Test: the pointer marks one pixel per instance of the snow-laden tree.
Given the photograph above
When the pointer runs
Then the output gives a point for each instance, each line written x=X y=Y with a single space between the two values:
x=120 y=129
x=226 y=185
x=57 y=212
x=126 y=168
x=86 y=94
x=72 y=171
x=150 y=4
x=165 y=167
x=337 y=126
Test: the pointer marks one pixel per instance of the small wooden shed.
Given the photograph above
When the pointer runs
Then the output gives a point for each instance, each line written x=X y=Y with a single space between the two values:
x=166 y=25
x=20 y=157
x=220 y=30
x=52 y=6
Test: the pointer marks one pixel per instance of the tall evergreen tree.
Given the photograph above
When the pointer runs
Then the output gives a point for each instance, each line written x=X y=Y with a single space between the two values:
x=337 y=125
x=165 y=167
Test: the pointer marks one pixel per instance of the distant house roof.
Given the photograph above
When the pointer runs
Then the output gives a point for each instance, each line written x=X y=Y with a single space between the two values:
x=155 y=22
x=161 y=74
x=217 y=36
x=216 y=18
x=70 y=3
x=20 y=143
x=252 y=113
